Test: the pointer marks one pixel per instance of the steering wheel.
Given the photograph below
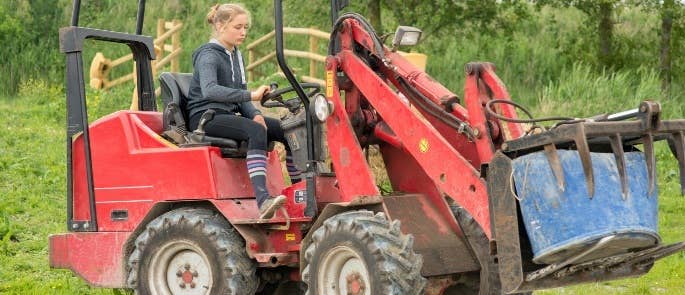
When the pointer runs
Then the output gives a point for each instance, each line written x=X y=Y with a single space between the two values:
x=275 y=98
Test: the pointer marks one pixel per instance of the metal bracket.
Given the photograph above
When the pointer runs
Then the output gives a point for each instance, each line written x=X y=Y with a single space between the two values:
x=286 y=226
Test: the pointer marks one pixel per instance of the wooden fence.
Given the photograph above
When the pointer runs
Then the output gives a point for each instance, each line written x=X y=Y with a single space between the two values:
x=255 y=59
x=167 y=54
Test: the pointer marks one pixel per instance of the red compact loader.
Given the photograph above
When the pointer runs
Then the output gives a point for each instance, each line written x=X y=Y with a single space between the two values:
x=480 y=202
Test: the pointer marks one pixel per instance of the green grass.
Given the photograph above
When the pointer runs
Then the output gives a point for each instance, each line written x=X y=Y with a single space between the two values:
x=32 y=206
x=33 y=188
x=539 y=61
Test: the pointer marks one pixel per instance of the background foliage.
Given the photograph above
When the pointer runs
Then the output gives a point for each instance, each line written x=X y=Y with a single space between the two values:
x=546 y=52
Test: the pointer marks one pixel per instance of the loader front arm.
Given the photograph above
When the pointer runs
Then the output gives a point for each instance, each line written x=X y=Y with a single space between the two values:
x=449 y=142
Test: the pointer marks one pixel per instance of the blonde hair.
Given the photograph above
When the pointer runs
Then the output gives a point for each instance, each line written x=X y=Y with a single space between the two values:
x=224 y=13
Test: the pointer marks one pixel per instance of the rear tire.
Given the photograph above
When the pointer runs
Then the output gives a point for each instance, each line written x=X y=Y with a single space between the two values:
x=358 y=252
x=194 y=251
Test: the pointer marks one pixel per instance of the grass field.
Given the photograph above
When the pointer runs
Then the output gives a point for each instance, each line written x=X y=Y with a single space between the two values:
x=32 y=199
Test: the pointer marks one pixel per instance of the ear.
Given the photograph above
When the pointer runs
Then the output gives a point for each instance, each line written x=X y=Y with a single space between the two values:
x=219 y=26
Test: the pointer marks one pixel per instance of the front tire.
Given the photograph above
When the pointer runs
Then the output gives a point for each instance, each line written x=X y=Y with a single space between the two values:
x=191 y=251
x=358 y=252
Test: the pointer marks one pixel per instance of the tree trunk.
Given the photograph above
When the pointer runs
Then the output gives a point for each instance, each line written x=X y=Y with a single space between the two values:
x=665 y=56
x=606 y=28
x=375 y=15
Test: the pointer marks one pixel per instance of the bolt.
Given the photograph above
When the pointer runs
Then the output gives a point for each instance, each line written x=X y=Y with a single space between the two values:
x=192 y=285
x=476 y=132
x=187 y=266
x=182 y=285
x=195 y=273
x=179 y=274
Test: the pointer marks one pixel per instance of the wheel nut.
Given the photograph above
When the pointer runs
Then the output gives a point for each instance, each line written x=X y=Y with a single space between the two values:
x=182 y=285
x=195 y=273
x=192 y=285
x=179 y=273
x=187 y=266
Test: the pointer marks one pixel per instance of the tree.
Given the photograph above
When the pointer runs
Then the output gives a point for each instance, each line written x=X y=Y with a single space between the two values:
x=671 y=12
x=667 y=13
x=434 y=17
x=600 y=14
x=375 y=15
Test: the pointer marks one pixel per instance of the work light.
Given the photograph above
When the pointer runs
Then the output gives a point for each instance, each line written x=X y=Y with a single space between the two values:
x=406 y=36
x=322 y=107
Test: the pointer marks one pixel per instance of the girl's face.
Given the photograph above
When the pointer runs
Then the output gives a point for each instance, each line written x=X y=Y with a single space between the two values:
x=234 y=32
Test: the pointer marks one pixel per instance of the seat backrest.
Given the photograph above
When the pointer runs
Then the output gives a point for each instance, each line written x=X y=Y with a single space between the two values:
x=175 y=88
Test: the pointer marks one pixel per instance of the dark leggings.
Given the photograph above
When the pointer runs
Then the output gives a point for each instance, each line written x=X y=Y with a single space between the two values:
x=236 y=127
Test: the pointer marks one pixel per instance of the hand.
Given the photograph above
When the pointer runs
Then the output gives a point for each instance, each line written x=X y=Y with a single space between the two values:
x=257 y=94
x=260 y=119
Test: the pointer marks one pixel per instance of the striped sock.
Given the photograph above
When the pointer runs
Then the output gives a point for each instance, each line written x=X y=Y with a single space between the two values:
x=256 y=168
x=295 y=175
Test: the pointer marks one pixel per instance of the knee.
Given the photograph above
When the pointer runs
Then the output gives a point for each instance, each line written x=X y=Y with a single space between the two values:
x=257 y=137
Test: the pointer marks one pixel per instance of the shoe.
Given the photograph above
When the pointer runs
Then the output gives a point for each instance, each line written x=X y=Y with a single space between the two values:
x=270 y=206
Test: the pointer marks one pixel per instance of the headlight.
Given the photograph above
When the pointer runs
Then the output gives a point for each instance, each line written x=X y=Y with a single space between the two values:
x=322 y=107
x=406 y=36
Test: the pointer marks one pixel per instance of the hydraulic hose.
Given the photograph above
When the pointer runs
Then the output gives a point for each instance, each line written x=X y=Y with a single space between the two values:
x=434 y=110
x=334 y=46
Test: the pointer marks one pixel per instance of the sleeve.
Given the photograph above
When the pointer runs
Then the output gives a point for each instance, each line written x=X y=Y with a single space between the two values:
x=207 y=65
x=248 y=110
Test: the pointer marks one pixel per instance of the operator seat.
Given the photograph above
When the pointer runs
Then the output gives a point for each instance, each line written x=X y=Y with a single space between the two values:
x=175 y=87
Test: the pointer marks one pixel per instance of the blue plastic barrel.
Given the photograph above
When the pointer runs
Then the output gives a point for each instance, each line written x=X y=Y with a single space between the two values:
x=563 y=223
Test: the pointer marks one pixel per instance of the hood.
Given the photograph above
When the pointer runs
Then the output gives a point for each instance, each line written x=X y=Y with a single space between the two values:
x=208 y=47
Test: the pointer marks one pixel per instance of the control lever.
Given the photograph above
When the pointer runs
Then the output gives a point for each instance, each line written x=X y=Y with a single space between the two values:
x=199 y=133
x=207 y=116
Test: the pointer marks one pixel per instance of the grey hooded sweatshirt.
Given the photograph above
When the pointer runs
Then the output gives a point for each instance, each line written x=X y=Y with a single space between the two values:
x=219 y=82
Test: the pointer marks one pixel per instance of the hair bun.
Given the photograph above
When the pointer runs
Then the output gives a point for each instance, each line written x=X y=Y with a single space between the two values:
x=212 y=13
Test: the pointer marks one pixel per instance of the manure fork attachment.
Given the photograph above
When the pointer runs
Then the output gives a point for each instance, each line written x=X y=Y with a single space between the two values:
x=602 y=134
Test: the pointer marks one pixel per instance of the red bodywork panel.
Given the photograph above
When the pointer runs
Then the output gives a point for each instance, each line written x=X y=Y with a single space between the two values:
x=145 y=170
x=97 y=257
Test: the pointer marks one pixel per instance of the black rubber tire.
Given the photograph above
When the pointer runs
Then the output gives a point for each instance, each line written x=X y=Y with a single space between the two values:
x=289 y=288
x=283 y=288
x=230 y=268
x=487 y=281
x=388 y=256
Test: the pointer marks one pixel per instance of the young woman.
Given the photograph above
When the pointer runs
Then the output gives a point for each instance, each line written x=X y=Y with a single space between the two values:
x=219 y=83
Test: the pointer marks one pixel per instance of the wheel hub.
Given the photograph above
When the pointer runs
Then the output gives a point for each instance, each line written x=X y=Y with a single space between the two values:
x=186 y=275
x=180 y=268
x=343 y=272
x=355 y=284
